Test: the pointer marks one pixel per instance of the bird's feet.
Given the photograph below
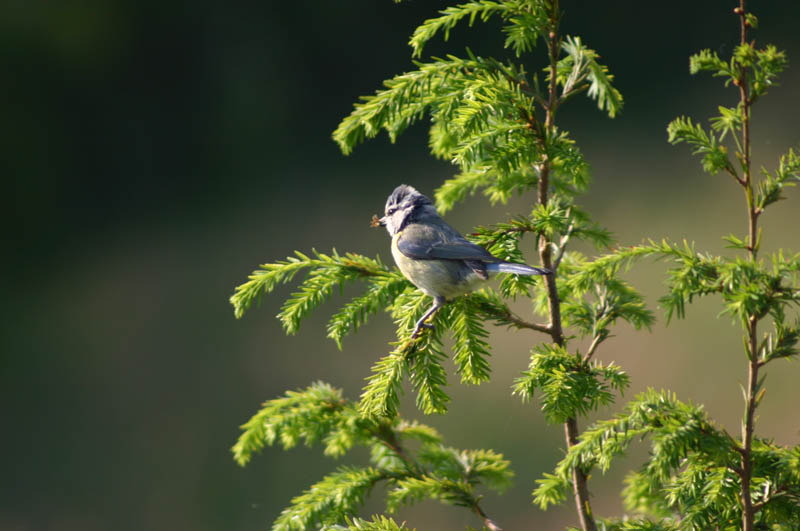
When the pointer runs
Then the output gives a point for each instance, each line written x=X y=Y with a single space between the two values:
x=418 y=328
x=438 y=302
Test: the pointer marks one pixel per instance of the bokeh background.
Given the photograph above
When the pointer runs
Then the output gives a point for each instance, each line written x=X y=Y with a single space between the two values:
x=154 y=153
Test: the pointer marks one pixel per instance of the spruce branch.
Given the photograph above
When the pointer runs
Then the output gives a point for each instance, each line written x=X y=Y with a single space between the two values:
x=580 y=65
x=676 y=428
x=330 y=500
x=470 y=347
x=524 y=20
x=639 y=524
x=382 y=290
x=381 y=395
x=328 y=272
x=319 y=413
x=715 y=155
x=467 y=92
x=422 y=356
x=377 y=523
x=567 y=385
x=312 y=415
x=593 y=308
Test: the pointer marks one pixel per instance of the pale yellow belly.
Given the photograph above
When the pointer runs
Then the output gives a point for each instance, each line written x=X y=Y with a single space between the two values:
x=445 y=278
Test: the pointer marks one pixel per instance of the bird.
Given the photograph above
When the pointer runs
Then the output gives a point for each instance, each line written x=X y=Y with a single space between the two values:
x=434 y=256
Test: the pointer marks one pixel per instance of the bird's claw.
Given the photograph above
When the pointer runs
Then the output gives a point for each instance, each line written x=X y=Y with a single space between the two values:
x=422 y=323
x=418 y=329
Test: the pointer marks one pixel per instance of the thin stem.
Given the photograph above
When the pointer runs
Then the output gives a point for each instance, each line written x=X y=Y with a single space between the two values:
x=487 y=522
x=504 y=316
x=562 y=246
x=748 y=508
x=777 y=492
x=519 y=323
x=595 y=343
x=579 y=479
x=387 y=436
x=556 y=330
x=573 y=92
x=735 y=175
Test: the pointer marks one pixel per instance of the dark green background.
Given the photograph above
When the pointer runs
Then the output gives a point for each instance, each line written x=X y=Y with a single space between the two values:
x=156 y=152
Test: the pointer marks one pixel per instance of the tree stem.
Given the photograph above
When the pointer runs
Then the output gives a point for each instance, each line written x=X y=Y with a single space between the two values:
x=555 y=327
x=579 y=480
x=748 y=509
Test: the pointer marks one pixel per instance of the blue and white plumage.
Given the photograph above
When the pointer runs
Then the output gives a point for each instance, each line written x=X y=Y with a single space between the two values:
x=434 y=256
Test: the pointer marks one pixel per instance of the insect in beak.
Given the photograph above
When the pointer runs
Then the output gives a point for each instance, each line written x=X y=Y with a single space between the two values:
x=377 y=222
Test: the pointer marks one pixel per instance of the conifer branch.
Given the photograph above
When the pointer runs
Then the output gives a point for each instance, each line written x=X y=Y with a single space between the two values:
x=566 y=384
x=320 y=414
x=378 y=523
x=328 y=272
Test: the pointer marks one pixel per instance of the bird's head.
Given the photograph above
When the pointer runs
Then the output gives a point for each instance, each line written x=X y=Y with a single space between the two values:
x=404 y=205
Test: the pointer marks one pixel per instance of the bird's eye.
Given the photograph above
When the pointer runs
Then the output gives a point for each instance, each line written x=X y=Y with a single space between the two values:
x=391 y=210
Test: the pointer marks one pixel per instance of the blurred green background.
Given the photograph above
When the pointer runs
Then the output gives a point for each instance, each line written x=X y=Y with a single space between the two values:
x=156 y=152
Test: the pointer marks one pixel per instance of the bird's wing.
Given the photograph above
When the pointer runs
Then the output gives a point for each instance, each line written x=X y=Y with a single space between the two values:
x=426 y=244
x=460 y=250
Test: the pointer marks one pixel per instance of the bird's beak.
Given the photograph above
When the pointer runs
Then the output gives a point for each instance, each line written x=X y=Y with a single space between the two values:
x=377 y=222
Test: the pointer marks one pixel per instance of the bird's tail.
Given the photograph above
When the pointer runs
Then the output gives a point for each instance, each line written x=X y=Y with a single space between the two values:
x=516 y=269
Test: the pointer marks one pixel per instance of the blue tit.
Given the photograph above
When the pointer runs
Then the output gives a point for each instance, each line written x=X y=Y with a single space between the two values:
x=433 y=256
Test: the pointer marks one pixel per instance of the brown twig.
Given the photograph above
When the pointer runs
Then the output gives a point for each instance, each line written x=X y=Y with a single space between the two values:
x=520 y=323
x=487 y=522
